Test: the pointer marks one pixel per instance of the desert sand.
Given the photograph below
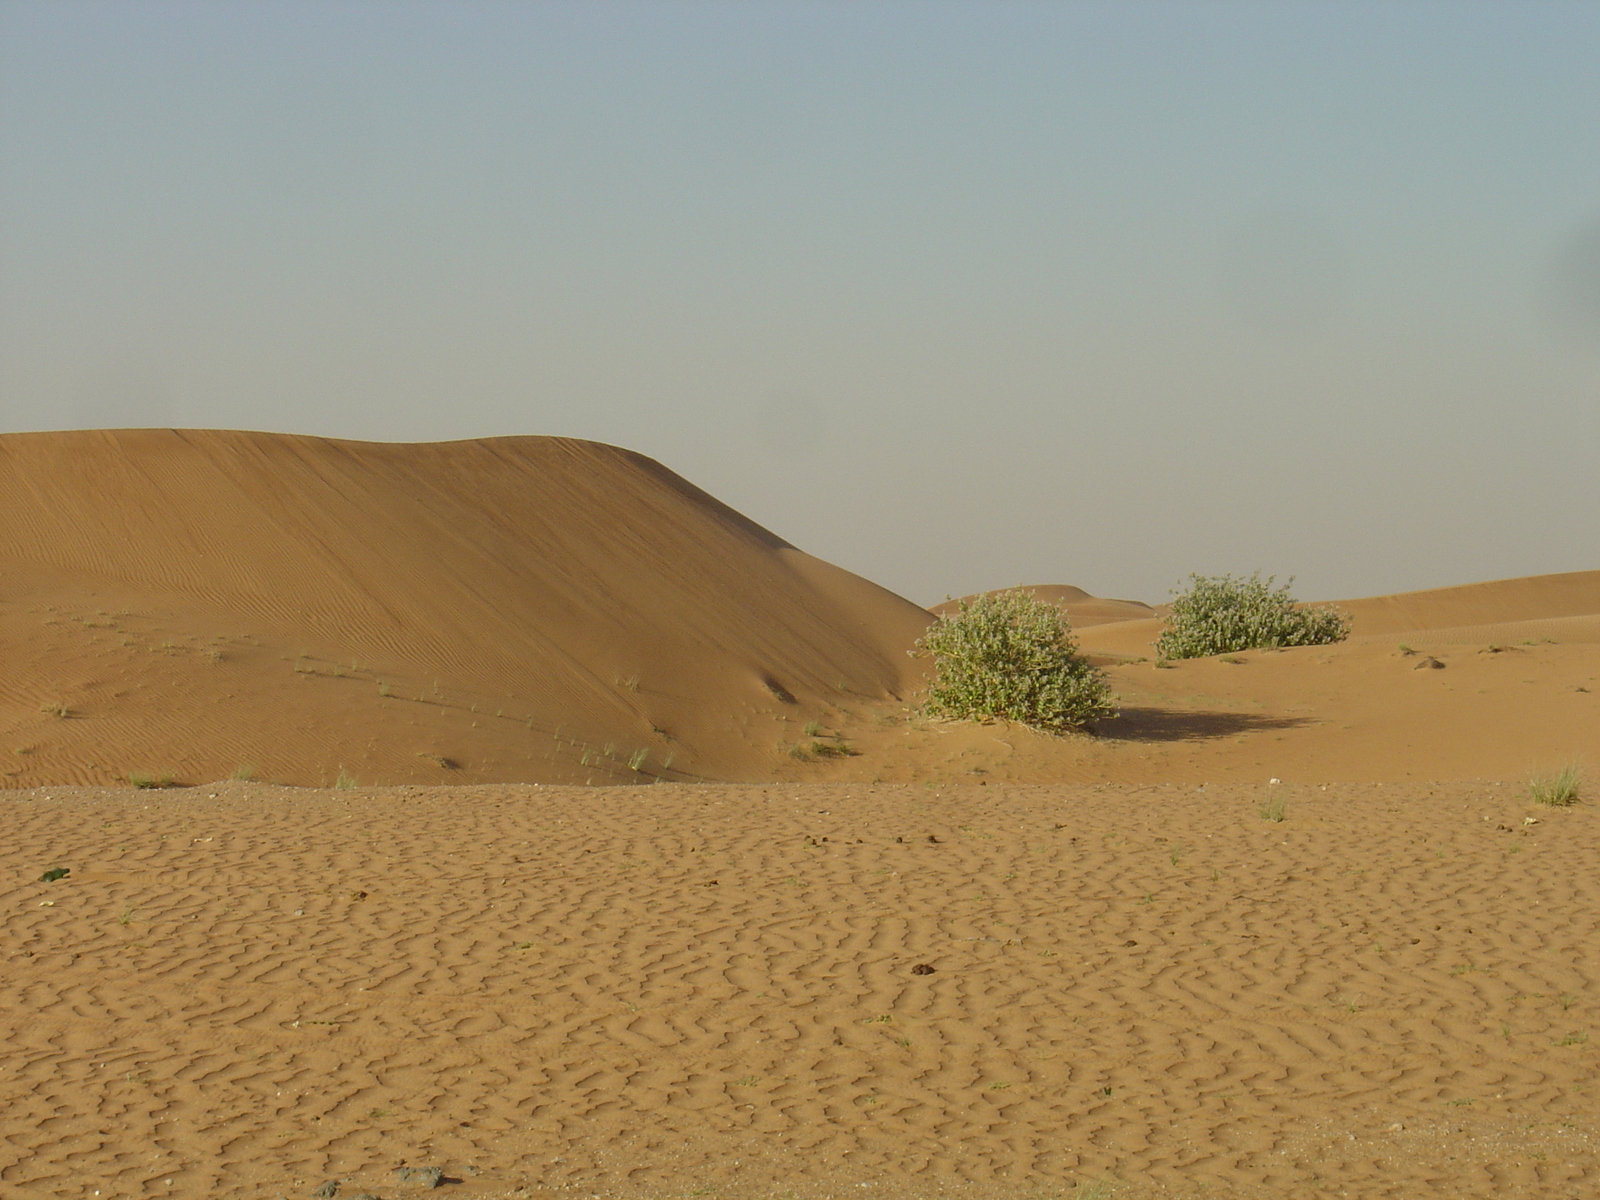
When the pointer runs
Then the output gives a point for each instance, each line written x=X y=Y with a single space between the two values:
x=642 y=876
x=713 y=990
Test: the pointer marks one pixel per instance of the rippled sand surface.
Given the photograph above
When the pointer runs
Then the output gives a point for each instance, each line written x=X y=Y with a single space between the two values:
x=799 y=990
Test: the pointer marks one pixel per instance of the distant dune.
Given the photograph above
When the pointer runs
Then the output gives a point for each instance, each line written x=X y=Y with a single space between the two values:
x=1479 y=605
x=1081 y=608
x=517 y=608
x=1507 y=609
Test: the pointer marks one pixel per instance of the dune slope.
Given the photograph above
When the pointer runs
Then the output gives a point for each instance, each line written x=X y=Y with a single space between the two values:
x=195 y=603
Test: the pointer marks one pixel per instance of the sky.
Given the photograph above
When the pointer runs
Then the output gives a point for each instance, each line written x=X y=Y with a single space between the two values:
x=955 y=295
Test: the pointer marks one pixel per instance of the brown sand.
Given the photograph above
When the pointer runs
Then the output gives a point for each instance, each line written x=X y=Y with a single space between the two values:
x=242 y=991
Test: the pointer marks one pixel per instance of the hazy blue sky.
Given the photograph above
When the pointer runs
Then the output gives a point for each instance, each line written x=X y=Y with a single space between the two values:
x=956 y=295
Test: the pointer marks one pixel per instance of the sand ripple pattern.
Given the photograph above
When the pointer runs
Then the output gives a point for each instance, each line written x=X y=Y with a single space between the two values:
x=241 y=991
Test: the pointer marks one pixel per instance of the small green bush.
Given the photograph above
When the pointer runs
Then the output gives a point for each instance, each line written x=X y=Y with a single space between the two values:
x=1555 y=791
x=1012 y=655
x=1219 y=614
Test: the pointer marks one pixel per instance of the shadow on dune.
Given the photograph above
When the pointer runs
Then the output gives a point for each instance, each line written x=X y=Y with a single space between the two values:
x=1178 y=725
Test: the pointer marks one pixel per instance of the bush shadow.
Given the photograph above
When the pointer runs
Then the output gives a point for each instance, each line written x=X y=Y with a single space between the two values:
x=1148 y=724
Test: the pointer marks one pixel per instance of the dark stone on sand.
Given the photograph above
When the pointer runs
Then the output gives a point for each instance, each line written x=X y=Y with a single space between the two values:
x=922 y=969
x=424 y=1177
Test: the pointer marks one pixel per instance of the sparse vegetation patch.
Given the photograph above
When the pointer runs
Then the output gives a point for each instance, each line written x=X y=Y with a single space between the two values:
x=1222 y=614
x=1555 y=791
x=1012 y=655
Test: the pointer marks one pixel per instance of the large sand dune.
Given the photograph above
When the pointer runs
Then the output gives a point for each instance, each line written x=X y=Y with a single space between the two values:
x=521 y=608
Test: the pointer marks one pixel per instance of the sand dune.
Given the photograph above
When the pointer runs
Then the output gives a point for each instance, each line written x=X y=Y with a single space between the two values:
x=519 y=608
x=243 y=991
x=1081 y=608
x=1505 y=601
x=1509 y=609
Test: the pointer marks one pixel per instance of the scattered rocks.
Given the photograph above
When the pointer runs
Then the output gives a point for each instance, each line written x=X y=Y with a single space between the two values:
x=327 y=1191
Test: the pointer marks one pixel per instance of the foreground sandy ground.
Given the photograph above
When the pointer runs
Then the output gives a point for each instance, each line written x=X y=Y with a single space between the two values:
x=800 y=991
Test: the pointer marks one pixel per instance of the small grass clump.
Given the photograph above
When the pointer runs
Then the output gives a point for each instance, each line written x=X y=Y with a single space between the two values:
x=1011 y=655
x=1275 y=807
x=1555 y=791
x=836 y=749
x=140 y=780
x=1222 y=614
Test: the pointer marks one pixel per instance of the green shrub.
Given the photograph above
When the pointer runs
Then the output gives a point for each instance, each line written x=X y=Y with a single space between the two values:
x=1011 y=655
x=1555 y=791
x=1219 y=614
